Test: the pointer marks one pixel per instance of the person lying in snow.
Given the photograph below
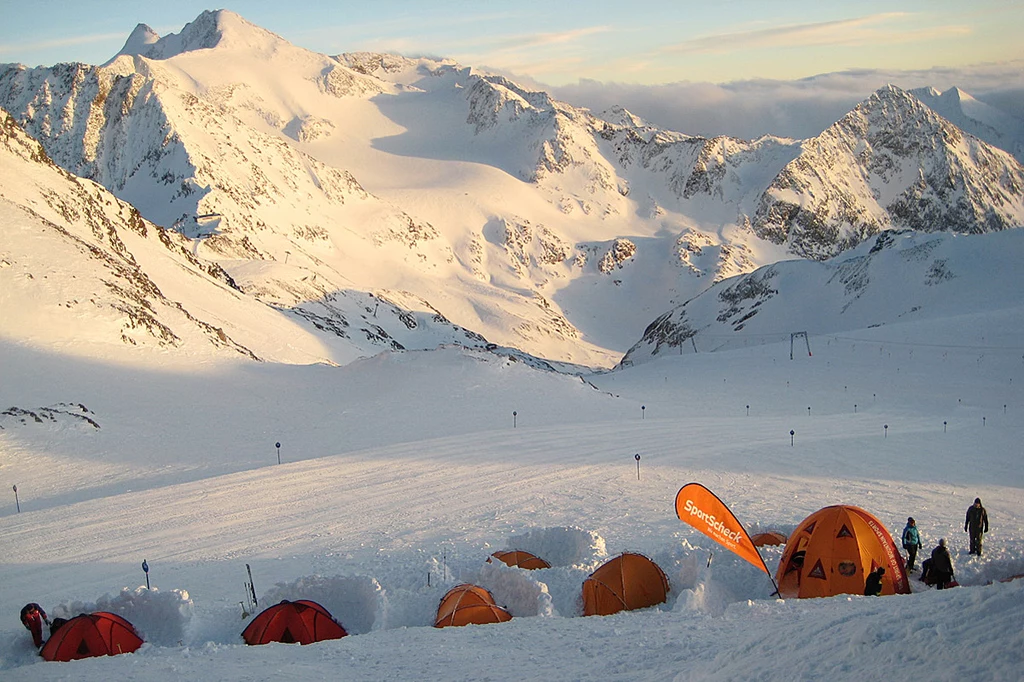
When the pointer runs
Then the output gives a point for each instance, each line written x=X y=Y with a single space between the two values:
x=33 y=617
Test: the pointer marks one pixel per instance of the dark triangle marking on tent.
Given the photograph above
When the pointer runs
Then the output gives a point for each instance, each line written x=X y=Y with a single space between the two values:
x=83 y=648
x=287 y=637
x=810 y=529
x=844 y=532
x=818 y=571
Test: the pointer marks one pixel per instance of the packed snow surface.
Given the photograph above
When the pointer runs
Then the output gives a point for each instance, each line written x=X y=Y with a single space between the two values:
x=400 y=475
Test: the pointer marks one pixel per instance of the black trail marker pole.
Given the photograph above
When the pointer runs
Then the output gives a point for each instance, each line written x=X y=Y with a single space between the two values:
x=943 y=427
x=637 y=456
x=17 y=502
x=252 y=590
x=145 y=569
x=792 y=435
x=748 y=410
x=885 y=431
x=642 y=408
x=514 y=415
x=278 y=446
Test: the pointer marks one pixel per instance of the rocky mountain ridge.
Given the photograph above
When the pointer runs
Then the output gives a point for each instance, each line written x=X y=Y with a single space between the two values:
x=897 y=276
x=82 y=268
x=469 y=198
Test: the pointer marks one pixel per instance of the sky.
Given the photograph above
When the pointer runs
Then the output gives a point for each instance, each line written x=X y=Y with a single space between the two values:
x=646 y=42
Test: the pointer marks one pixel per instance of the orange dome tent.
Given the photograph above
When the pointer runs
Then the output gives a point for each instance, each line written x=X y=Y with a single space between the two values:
x=832 y=551
x=629 y=581
x=469 y=604
x=91 y=634
x=770 y=538
x=301 y=621
x=517 y=557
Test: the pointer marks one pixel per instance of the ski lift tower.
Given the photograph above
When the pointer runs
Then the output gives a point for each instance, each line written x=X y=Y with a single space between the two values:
x=792 y=340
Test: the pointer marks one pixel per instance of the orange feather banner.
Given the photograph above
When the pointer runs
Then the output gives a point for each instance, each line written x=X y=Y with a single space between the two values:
x=701 y=508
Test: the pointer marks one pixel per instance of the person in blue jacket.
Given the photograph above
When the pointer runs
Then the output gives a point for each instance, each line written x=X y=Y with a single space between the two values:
x=911 y=542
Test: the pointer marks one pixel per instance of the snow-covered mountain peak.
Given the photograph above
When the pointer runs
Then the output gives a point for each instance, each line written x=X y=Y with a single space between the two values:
x=620 y=116
x=892 y=162
x=321 y=183
x=973 y=116
x=140 y=40
x=211 y=29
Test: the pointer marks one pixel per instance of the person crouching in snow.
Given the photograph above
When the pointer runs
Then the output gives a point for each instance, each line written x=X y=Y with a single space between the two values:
x=942 y=566
x=911 y=542
x=33 y=617
x=873 y=586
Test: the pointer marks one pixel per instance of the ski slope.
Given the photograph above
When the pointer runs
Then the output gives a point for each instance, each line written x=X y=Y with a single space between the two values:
x=401 y=473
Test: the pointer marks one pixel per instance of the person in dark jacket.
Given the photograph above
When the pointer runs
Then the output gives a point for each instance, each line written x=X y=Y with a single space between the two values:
x=33 y=617
x=911 y=542
x=941 y=571
x=873 y=586
x=926 y=572
x=976 y=524
x=57 y=624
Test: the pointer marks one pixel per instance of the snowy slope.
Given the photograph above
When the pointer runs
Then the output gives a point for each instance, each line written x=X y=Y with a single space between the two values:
x=462 y=196
x=83 y=271
x=338 y=209
x=890 y=163
x=972 y=116
x=407 y=468
x=898 y=276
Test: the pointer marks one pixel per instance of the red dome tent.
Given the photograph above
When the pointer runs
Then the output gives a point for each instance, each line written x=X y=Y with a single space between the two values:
x=301 y=621
x=832 y=552
x=469 y=604
x=91 y=634
x=629 y=581
x=517 y=557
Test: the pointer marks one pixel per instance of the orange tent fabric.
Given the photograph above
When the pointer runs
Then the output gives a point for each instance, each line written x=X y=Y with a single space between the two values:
x=832 y=552
x=92 y=634
x=629 y=581
x=771 y=538
x=469 y=604
x=517 y=557
x=301 y=621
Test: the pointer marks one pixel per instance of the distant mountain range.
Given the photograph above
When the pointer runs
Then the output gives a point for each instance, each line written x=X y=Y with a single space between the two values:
x=365 y=202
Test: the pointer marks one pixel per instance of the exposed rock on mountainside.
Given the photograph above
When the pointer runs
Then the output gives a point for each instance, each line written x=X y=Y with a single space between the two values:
x=71 y=214
x=366 y=172
x=934 y=274
x=890 y=163
x=80 y=267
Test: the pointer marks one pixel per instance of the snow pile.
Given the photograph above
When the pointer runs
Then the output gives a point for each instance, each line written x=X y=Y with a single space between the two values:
x=162 y=618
